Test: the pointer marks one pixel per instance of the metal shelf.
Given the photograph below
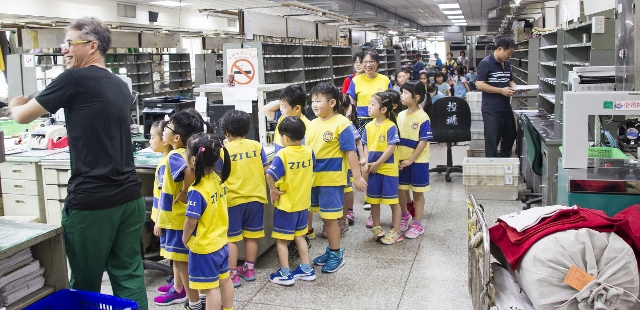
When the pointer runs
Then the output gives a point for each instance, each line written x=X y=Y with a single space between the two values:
x=549 y=63
x=550 y=97
x=588 y=44
x=527 y=72
x=283 y=70
x=551 y=81
x=548 y=47
x=576 y=63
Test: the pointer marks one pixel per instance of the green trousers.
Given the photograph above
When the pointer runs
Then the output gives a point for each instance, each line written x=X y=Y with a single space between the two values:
x=107 y=240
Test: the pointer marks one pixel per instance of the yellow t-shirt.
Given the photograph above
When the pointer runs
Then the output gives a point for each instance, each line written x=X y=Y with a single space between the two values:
x=206 y=202
x=414 y=127
x=378 y=138
x=276 y=138
x=170 y=215
x=330 y=140
x=157 y=186
x=246 y=182
x=292 y=169
x=362 y=88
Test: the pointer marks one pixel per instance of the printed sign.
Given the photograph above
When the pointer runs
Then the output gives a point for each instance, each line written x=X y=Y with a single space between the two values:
x=622 y=105
x=243 y=64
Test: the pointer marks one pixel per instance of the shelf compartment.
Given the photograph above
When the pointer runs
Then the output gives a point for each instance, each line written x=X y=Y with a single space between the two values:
x=548 y=47
x=588 y=44
x=550 y=97
x=549 y=63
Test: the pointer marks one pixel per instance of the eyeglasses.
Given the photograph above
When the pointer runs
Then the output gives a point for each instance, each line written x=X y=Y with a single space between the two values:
x=67 y=44
x=368 y=62
x=166 y=126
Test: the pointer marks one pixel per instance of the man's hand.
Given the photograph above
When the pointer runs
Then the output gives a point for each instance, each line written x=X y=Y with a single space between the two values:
x=507 y=91
x=275 y=195
x=361 y=184
x=18 y=101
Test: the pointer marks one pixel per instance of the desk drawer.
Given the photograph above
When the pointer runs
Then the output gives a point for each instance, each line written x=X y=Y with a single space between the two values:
x=55 y=191
x=19 y=187
x=54 y=211
x=18 y=171
x=21 y=205
x=56 y=176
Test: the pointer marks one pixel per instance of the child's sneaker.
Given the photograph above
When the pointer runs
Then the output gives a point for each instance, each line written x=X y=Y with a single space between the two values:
x=351 y=218
x=311 y=234
x=322 y=259
x=171 y=297
x=300 y=274
x=187 y=307
x=278 y=278
x=392 y=237
x=165 y=288
x=404 y=222
x=378 y=233
x=246 y=273
x=334 y=261
x=414 y=231
x=235 y=278
x=369 y=221
x=366 y=206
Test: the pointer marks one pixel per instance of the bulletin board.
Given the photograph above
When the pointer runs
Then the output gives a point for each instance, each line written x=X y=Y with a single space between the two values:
x=42 y=38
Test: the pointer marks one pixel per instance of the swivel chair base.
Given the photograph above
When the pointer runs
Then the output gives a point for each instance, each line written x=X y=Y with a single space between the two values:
x=449 y=168
x=531 y=198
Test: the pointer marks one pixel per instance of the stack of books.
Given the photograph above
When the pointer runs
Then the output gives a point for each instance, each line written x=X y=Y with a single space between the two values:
x=20 y=275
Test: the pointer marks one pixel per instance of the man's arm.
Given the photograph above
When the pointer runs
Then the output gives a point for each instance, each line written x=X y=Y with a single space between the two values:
x=24 y=110
x=505 y=91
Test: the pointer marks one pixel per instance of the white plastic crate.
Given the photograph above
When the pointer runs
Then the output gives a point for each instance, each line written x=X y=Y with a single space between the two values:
x=495 y=192
x=477 y=134
x=474 y=96
x=475 y=152
x=475 y=106
x=485 y=179
x=476 y=144
x=476 y=116
x=491 y=166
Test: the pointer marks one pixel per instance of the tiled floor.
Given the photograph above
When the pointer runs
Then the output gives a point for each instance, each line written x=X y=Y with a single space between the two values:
x=429 y=272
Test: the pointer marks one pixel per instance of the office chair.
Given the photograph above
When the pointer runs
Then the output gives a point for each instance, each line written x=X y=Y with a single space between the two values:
x=534 y=157
x=450 y=123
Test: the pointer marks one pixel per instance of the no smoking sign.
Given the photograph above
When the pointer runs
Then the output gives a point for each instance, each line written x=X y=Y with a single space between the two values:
x=243 y=64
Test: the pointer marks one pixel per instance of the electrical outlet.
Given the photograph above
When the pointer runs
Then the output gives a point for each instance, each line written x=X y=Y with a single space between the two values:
x=597 y=25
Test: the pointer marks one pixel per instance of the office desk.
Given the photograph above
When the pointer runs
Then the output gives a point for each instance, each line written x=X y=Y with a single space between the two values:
x=551 y=141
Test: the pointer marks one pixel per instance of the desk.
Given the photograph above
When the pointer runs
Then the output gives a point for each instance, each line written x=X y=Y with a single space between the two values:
x=551 y=142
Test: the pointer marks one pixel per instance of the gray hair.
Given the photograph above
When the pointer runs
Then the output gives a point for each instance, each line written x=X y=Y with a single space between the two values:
x=93 y=29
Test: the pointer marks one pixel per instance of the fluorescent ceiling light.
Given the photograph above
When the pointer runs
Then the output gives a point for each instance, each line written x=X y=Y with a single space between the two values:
x=452 y=12
x=455 y=17
x=449 y=6
x=459 y=22
x=169 y=3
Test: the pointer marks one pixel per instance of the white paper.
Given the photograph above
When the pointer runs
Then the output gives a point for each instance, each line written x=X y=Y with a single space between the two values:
x=244 y=105
x=201 y=104
x=246 y=93
x=228 y=95
x=29 y=61
x=526 y=87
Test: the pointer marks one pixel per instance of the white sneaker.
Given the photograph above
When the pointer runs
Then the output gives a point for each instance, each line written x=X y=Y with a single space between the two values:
x=367 y=206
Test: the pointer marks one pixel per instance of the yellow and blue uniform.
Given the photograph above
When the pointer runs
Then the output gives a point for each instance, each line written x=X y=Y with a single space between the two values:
x=356 y=135
x=171 y=215
x=208 y=251
x=382 y=186
x=157 y=187
x=330 y=140
x=362 y=88
x=292 y=169
x=276 y=138
x=246 y=189
x=414 y=127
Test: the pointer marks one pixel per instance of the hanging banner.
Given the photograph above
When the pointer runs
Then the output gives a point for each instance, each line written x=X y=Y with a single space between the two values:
x=243 y=64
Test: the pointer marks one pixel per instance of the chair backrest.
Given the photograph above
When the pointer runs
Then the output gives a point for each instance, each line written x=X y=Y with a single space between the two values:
x=451 y=120
x=534 y=148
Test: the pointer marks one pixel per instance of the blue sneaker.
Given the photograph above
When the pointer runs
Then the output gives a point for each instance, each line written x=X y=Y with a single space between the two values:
x=299 y=274
x=322 y=259
x=278 y=278
x=334 y=262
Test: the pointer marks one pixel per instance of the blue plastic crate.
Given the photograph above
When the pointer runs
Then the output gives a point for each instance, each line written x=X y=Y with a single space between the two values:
x=81 y=300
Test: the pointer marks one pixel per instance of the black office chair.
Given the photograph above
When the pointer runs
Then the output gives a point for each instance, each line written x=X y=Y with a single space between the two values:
x=534 y=157
x=450 y=123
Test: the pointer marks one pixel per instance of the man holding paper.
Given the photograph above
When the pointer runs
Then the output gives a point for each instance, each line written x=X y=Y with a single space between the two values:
x=496 y=83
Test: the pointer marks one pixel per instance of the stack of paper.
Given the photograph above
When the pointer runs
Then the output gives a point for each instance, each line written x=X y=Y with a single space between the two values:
x=20 y=275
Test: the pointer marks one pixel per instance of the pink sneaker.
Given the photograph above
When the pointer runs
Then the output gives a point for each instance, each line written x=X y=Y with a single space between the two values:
x=414 y=231
x=369 y=221
x=171 y=297
x=404 y=222
x=351 y=218
x=235 y=278
x=165 y=288
x=246 y=274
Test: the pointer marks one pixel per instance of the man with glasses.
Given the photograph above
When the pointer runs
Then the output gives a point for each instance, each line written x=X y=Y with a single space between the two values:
x=496 y=83
x=104 y=210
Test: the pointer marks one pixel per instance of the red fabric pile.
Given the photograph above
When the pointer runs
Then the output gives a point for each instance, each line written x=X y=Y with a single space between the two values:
x=514 y=245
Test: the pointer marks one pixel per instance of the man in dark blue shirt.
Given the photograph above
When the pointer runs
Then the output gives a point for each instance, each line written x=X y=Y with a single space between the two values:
x=496 y=83
x=418 y=66
x=438 y=64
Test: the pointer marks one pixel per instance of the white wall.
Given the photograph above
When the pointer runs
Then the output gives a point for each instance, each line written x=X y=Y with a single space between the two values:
x=106 y=10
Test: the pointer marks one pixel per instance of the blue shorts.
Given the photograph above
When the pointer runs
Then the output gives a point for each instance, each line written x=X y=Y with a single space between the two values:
x=246 y=220
x=287 y=225
x=328 y=200
x=382 y=189
x=206 y=270
x=172 y=247
x=415 y=177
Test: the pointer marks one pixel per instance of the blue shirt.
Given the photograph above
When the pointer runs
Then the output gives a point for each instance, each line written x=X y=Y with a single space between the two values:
x=417 y=67
x=493 y=73
x=438 y=63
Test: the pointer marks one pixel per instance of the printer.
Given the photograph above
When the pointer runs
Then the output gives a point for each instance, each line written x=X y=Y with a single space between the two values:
x=596 y=78
x=157 y=107
x=40 y=137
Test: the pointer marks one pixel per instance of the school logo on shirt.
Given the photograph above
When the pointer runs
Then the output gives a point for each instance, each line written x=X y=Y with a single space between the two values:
x=415 y=126
x=327 y=136
x=382 y=138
